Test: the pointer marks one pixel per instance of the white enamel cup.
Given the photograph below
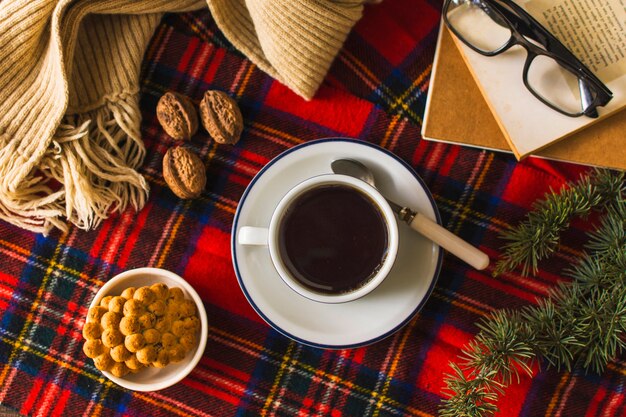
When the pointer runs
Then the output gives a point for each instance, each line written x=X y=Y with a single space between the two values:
x=269 y=236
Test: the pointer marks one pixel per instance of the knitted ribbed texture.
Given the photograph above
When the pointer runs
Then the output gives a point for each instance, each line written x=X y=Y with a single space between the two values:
x=70 y=141
x=293 y=41
x=69 y=115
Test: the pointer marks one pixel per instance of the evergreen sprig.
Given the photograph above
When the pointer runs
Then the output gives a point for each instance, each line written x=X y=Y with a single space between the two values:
x=538 y=236
x=582 y=323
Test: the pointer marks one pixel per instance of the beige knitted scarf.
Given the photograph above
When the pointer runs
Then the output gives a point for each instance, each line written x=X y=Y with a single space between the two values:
x=70 y=142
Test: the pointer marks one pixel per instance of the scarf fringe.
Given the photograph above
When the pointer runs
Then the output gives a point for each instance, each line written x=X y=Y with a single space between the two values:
x=94 y=156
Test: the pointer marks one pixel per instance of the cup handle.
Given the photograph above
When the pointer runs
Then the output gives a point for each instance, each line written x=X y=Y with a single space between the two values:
x=249 y=235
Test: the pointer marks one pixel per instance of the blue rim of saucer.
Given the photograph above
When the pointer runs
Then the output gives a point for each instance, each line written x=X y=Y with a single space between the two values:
x=233 y=242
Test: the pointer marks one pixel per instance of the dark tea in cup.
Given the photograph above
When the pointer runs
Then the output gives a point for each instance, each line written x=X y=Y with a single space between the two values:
x=333 y=238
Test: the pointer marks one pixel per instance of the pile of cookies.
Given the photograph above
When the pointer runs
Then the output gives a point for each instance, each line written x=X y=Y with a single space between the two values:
x=143 y=327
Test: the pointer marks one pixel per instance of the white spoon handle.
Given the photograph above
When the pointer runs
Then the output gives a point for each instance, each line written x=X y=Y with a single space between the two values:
x=450 y=242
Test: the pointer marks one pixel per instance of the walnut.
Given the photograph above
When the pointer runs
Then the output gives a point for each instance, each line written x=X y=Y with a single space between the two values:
x=221 y=117
x=177 y=115
x=184 y=172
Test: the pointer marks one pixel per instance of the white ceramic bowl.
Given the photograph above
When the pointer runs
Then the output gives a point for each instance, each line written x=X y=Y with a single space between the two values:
x=153 y=379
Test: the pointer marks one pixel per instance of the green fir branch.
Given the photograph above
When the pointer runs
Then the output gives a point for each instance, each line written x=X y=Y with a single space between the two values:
x=538 y=236
x=582 y=323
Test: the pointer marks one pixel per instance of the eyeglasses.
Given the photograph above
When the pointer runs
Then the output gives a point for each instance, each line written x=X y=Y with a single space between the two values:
x=491 y=27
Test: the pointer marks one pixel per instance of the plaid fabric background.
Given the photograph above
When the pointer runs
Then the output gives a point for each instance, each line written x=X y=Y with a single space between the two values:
x=376 y=92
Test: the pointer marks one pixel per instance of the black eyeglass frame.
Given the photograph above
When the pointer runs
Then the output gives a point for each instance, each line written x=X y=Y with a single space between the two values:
x=523 y=25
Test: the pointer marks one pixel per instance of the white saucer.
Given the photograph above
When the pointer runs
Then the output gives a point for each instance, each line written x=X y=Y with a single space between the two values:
x=356 y=323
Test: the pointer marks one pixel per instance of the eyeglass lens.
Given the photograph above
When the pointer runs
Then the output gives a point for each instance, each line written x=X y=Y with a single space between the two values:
x=479 y=25
x=556 y=85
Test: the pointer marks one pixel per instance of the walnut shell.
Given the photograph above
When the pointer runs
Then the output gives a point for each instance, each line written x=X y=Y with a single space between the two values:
x=221 y=117
x=177 y=115
x=184 y=172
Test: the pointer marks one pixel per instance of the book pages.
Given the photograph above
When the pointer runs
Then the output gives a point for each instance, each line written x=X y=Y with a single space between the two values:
x=528 y=124
x=456 y=112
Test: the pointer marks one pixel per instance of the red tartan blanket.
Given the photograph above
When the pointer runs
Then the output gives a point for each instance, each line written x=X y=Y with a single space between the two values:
x=375 y=92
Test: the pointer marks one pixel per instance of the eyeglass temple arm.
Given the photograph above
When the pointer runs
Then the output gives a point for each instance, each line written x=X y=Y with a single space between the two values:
x=525 y=24
x=529 y=27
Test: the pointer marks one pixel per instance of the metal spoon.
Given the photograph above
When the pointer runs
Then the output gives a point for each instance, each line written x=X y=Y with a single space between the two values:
x=418 y=222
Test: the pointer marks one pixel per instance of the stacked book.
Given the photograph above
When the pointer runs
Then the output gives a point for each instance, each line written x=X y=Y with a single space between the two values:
x=481 y=101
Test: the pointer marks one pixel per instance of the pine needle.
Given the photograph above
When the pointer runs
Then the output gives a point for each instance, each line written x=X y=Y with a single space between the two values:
x=538 y=236
x=582 y=323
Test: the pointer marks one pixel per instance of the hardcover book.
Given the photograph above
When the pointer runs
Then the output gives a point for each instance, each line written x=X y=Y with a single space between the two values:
x=456 y=112
x=594 y=31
